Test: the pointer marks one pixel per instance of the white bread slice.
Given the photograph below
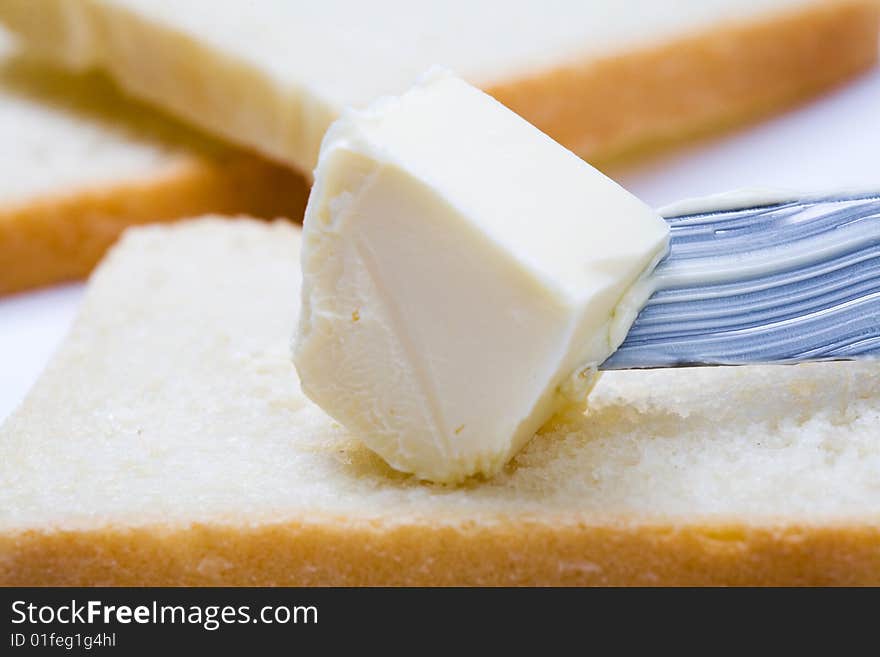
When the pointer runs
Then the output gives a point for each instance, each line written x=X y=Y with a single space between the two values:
x=169 y=443
x=600 y=76
x=80 y=163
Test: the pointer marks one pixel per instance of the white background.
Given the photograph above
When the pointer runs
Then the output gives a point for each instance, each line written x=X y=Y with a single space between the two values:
x=832 y=142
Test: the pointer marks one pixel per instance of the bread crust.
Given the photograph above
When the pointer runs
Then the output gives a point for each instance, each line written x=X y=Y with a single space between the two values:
x=621 y=106
x=61 y=237
x=508 y=553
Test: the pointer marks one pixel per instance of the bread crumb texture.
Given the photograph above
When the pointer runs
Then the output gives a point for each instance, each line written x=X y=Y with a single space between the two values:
x=168 y=443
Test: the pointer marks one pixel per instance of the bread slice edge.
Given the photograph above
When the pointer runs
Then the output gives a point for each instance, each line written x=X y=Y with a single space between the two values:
x=507 y=553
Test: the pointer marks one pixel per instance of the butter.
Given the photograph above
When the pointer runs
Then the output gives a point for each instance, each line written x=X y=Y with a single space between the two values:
x=461 y=272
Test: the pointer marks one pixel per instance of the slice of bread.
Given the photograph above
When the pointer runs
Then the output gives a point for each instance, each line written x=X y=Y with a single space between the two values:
x=169 y=443
x=600 y=76
x=81 y=163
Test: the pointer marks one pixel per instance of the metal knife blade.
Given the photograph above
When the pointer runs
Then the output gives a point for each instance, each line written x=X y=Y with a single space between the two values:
x=782 y=282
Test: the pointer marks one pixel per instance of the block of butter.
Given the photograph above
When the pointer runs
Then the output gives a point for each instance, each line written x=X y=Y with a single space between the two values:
x=461 y=276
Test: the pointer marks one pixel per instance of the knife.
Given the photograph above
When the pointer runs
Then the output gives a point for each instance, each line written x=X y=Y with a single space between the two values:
x=785 y=281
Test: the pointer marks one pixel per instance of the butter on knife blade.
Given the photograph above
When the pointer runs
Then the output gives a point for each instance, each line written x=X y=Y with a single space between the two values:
x=461 y=276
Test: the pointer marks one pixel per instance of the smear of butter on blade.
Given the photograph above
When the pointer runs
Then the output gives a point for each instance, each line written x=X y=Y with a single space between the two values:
x=461 y=272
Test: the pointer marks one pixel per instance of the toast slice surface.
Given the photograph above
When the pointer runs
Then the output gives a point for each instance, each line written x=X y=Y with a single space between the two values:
x=168 y=443
x=602 y=77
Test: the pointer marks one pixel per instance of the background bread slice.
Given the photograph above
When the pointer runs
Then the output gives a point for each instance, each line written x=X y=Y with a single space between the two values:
x=169 y=443
x=102 y=163
x=600 y=76
x=80 y=163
